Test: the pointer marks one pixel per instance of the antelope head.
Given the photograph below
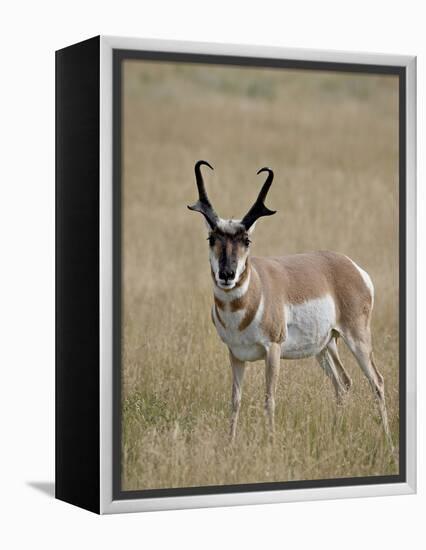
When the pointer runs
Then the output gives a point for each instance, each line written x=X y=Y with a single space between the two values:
x=229 y=240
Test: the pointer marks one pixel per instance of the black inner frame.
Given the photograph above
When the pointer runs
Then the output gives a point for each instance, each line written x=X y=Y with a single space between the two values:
x=118 y=57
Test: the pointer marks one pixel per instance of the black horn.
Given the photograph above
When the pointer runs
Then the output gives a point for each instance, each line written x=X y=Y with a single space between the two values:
x=203 y=204
x=259 y=209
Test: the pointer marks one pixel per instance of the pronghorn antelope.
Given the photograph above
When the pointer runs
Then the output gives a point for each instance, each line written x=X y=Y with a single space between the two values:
x=286 y=307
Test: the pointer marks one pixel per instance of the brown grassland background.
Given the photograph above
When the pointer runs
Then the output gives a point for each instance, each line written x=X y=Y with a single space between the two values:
x=332 y=141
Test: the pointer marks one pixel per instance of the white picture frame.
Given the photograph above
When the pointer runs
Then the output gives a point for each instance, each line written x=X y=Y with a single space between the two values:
x=108 y=503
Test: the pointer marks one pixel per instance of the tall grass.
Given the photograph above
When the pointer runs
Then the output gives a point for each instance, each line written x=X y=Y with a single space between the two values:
x=332 y=140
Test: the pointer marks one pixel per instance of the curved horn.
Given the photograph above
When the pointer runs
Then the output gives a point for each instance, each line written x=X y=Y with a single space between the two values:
x=203 y=205
x=259 y=209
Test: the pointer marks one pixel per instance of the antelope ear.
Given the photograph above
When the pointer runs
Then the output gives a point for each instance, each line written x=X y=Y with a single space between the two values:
x=251 y=228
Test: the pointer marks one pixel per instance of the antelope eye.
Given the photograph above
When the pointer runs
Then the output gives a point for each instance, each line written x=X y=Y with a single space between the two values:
x=211 y=240
x=247 y=241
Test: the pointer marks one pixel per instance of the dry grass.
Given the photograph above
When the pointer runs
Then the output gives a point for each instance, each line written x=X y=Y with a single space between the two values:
x=332 y=140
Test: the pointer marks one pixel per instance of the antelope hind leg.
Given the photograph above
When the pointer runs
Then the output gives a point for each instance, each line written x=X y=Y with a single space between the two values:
x=360 y=346
x=344 y=376
x=326 y=362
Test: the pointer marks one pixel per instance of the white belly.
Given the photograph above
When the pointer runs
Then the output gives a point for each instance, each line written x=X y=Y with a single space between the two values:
x=309 y=327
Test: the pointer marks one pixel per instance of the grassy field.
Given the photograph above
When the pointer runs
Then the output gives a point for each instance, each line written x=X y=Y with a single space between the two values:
x=332 y=140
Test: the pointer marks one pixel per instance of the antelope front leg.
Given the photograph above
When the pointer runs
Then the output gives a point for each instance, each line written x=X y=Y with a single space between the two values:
x=238 y=368
x=272 y=362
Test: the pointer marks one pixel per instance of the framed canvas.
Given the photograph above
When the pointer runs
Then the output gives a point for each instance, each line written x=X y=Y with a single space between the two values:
x=258 y=346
